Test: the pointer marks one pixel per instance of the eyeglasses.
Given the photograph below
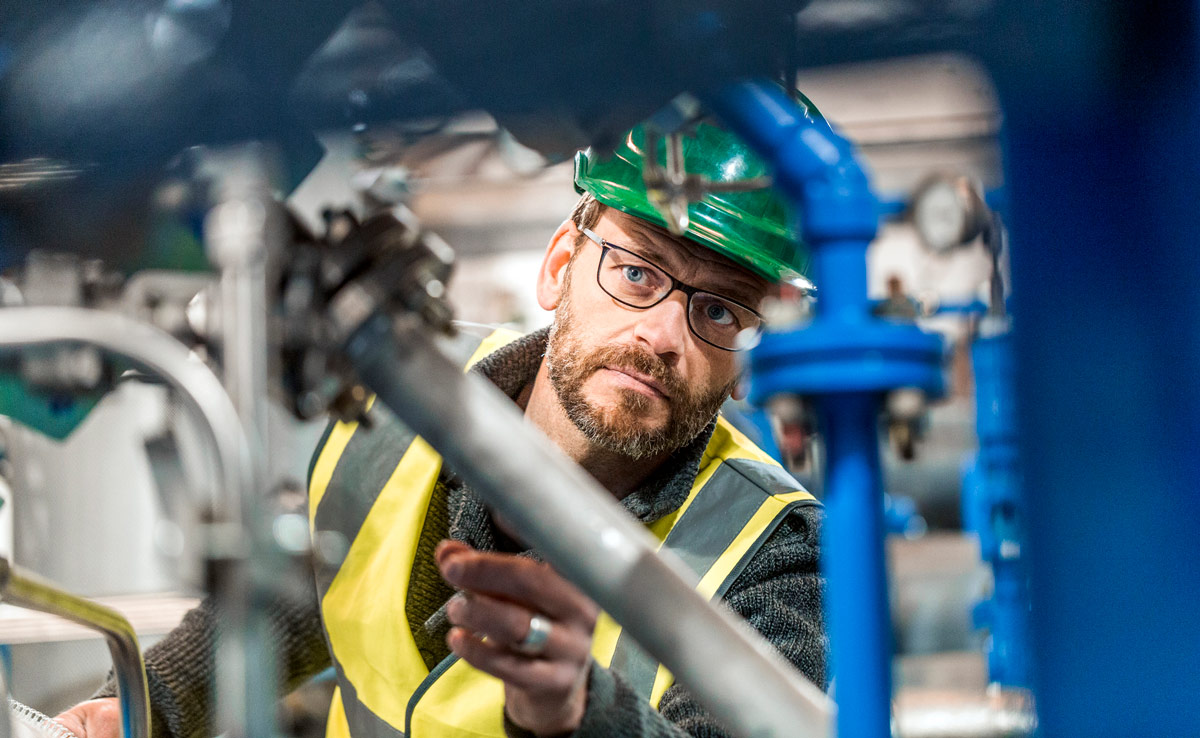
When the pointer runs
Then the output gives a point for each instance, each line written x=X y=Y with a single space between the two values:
x=639 y=283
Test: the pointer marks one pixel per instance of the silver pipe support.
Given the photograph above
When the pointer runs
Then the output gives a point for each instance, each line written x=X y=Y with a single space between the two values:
x=242 y=234
x=582 y=530
x=998 y=713
x=24 y=590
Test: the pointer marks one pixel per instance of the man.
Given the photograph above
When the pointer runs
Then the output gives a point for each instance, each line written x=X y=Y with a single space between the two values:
x=439 y=621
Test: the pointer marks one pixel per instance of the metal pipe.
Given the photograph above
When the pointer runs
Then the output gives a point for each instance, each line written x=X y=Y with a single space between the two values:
x=998 y=713
x=840 y=271
x=241 y=234
x=998 y=513
x=585 y=534
x=853 y=559
x=6 y=724
x=24 y=590
x=1107 y=346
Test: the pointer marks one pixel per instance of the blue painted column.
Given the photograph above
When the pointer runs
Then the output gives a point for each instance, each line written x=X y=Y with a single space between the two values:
x=846 y=360
x=852 y=543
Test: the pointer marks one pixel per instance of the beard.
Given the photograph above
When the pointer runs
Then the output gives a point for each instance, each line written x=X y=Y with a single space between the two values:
x=625 y=428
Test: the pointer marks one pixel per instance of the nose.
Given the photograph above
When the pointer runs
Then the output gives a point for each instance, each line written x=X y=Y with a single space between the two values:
x=663 y=328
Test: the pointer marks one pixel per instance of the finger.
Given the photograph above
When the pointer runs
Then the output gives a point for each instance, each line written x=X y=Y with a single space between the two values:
x=447 y=548
x=521 y=580
x=518 y=671
x=507 y=625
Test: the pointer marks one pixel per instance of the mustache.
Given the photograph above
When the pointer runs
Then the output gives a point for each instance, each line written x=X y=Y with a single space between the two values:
x=641 y=361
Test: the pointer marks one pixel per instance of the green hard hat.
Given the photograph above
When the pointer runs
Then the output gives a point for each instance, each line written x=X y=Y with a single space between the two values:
x=754 y=228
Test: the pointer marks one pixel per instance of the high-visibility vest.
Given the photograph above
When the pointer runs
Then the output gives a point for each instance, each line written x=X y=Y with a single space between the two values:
x=373 y=483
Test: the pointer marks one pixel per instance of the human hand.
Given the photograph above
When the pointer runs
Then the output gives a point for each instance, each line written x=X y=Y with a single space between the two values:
x=544 y=692
x=99 y=718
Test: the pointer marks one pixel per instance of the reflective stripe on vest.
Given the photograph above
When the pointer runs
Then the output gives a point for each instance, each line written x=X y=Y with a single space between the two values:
x=373 y=486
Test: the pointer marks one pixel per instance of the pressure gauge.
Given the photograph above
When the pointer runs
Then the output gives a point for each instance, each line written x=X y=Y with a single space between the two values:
x=947 y=211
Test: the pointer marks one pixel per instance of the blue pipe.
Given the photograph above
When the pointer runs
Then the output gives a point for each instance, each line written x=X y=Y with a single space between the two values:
x=994 y=510
x=1008 y=653
x=846 y=358
x=813 y=166
x=1103 y=170
x=840 y=270
x=852 y=540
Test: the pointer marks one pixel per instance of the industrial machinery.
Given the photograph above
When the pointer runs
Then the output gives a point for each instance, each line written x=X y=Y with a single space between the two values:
x=117 y=114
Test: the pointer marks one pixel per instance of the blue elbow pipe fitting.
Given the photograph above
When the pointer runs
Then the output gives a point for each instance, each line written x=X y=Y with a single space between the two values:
x=846 y=359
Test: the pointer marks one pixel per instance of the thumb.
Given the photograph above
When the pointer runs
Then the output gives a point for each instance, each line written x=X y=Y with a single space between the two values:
x=100 y=718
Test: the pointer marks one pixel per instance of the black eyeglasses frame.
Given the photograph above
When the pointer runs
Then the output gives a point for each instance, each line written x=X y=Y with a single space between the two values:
x=687 y=289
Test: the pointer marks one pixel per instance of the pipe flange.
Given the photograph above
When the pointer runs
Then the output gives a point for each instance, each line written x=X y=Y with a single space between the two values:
x=828 y=356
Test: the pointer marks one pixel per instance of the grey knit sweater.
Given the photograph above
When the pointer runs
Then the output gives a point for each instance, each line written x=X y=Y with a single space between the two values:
x=779 y=593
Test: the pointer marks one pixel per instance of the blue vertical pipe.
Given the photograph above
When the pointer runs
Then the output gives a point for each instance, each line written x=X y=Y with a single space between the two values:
x=818 y=171
x=1008 y=652
x=995 y=510
x=839 y=270
x=853 y=559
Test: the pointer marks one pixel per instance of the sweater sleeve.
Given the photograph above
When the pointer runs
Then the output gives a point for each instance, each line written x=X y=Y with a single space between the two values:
x=180 y=667
x=779 y=593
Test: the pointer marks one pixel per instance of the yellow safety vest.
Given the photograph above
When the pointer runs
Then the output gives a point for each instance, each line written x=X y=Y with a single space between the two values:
x=373 y=485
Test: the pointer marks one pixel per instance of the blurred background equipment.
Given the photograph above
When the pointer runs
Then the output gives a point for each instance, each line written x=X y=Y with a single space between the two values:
x=1061 y=432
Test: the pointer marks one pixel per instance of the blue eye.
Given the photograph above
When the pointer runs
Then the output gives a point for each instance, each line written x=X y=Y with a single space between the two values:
x=718 y=314
x=634 y=274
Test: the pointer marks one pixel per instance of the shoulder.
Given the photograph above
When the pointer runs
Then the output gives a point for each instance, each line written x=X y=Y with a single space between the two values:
x=769 y=478
x=785 y=517
x=473 y=342
x=781 y=589
x=746 y=464
x=788 y=563
x=800 y=533
x=792 y=546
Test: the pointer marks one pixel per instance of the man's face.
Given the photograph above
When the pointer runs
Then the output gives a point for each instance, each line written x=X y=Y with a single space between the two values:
x=637 y=381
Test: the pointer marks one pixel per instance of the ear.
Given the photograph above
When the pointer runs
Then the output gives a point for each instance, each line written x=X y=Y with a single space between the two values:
x=554 y=265
x=741 y=388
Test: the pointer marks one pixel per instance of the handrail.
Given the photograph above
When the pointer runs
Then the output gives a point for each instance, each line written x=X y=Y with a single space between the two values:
x=25 y=590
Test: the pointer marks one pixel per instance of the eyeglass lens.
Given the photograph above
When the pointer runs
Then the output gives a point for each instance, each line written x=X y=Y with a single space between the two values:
x=638 y=283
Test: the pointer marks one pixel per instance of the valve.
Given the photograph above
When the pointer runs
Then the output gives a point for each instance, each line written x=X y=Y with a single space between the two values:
x=796 y=422
x=385 y=262
x=904 y=414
